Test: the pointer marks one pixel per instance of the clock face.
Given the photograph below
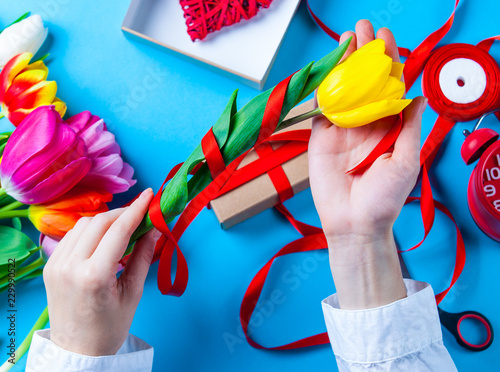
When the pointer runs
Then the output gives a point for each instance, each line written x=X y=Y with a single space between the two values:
x=491 y=177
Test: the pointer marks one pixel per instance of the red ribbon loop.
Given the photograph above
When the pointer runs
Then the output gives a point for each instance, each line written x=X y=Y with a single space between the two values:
x=307 y=243
x=212 y=153
x=403 y=52
x=165 y=255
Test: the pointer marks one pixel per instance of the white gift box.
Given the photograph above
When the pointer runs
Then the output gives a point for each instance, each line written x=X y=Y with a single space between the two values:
x=244 y=51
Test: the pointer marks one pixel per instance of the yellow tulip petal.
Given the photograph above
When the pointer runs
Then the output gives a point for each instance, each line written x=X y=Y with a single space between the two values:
x=38 y=65
x=397 y=69
x=11 y=69
x=60 y=106
x=375 y=46
x=26 y=79
x=354 y=83
x=42 y=93
x=36 y=213
x=368 y=114
x=394 y=89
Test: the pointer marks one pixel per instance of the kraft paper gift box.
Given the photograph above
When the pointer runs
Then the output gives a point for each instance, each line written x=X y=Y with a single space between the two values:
x=244 y=51
x=260 y=194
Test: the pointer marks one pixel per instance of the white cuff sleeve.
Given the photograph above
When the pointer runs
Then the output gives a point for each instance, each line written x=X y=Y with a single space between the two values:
x=134 y=355
x=404 y=335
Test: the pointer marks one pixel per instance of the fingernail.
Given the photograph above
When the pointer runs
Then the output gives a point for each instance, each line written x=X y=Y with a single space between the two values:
x=423 y=105
x=145 y=193
x=156 y=235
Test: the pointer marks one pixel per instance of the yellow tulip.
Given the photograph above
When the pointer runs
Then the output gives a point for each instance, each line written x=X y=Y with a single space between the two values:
x=365 y=87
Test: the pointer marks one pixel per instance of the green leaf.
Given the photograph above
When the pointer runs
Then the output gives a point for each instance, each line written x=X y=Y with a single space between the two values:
x=4 y=137
x=322 y=68
x=14 y=244
x=42 y=58
x=25 y=15
x=16 y=222
x=222 y=127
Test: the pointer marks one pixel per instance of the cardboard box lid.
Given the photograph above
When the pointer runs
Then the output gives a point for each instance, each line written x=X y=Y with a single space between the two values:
x=246 y=50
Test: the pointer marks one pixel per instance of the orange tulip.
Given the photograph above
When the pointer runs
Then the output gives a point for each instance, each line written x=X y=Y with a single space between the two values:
x=57 y=217
x=23 y=88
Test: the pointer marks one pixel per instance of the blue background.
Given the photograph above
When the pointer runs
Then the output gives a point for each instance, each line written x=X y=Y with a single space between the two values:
x=157 y=125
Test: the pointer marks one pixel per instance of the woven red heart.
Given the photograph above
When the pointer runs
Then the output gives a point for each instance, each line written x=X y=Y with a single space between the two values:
x=206 y=16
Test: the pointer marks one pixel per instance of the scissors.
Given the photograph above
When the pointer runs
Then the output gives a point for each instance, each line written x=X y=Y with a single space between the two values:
x=452 y=321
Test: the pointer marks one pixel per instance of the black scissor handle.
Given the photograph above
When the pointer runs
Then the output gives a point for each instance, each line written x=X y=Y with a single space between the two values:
x=452 y=321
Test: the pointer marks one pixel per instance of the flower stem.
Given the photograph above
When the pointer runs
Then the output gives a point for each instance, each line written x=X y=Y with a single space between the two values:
x=23 y=348
x=24 y=271
x=15 y=213
x=2 y=192
x=11 y=206
x=2 y=115
x=297 y=119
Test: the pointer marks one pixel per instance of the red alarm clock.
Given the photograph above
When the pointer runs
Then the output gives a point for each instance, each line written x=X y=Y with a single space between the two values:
x=483 y=194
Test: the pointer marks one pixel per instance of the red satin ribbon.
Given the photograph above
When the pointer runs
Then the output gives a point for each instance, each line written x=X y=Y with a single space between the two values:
x=403 y=52
x=212 y=154
x=418 y=58
x=277 y=175
x=383 y=146
x=460 y=252
x=313 y=239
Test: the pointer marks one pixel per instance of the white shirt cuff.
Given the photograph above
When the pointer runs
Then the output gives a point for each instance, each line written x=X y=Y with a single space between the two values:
x=387 y=332
x=134 y=355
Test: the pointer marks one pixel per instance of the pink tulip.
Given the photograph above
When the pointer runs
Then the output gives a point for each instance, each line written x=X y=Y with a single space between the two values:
x=109 y=172
x=43 y=159
x=48 y=244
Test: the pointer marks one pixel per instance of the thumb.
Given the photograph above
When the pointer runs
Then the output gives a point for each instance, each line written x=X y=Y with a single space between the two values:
x=137 y=267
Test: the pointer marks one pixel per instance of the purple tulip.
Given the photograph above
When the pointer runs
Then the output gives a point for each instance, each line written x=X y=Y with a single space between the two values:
x=48 y=244
x=43 y=159
x=109 y=172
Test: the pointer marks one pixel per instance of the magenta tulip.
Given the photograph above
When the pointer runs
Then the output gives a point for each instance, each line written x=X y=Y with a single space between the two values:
x=109 y=172
x=43 y=159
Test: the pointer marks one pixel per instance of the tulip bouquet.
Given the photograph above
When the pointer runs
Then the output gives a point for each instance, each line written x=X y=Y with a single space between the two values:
x=52 y=171
x=63 y=170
